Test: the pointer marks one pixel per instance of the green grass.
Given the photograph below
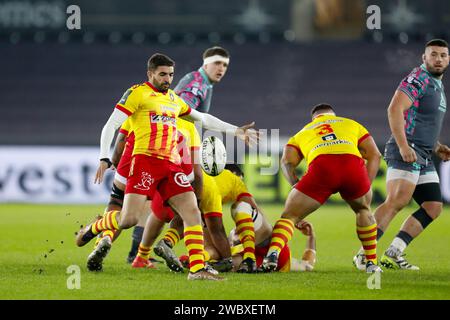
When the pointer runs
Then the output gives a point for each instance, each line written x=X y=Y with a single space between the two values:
x=29 y=232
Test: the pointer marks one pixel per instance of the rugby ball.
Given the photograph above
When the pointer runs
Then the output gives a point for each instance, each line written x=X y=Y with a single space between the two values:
x=213 y=156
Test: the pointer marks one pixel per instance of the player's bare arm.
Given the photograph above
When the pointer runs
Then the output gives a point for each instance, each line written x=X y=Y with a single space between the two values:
x=118 y=149
x=220 y=241
x=443 y=151
x=400 y=103
x=197 y=184
x=307 y=229
x=289 y=162
x=370 y=152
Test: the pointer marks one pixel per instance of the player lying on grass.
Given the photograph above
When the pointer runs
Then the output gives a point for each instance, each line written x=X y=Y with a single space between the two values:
x=263 y=232
x=334 y=148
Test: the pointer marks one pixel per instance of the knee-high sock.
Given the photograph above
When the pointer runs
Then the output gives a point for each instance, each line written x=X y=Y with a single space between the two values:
x=281 y=234
x=368 y=237
x=193 y=239
x=108 y=222
x=171 y=237
x=144 y=252
x=246 y=231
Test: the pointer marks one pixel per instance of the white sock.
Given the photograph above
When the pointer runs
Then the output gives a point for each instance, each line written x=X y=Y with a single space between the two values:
x=399 y=244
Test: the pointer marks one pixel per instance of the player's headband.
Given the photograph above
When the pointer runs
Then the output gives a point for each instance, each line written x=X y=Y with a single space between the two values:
x=216 y=58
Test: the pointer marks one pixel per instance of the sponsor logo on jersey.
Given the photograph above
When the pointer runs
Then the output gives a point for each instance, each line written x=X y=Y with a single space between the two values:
x=329 y=137
x=167 y=108
x=146 y=182
x=158 y=118
x=181 y=179
x=415 y=82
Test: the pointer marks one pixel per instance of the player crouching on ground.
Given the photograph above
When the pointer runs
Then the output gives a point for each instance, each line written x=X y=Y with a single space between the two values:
x=286 y=263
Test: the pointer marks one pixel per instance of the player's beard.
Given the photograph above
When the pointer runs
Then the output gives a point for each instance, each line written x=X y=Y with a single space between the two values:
x=434 y=72
x=163 y=86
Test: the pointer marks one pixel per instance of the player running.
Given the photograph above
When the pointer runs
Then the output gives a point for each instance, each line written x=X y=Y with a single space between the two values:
x=415 y=115
x=334 y=149
x=153 y=109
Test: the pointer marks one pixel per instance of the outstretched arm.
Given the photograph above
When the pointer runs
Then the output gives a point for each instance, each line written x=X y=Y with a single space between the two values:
x=246 y=132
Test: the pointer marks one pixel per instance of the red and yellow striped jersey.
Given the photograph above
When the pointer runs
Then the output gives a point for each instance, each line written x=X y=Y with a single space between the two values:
x=188 y=140
x=153 y=116
x=224 y=188
x=329 y=134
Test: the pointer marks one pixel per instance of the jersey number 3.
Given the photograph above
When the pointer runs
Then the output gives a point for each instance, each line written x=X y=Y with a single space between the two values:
x=324 y=129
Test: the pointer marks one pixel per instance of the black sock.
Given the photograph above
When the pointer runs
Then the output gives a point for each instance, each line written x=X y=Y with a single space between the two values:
x=379 y=233
x=137 y=237
x=405 y=236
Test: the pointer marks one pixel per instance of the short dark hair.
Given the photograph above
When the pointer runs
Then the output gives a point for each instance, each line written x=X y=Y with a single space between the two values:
x=437 y=43
x=215 y=51
x=159 y=59
x=233 y=167
x=321 y=107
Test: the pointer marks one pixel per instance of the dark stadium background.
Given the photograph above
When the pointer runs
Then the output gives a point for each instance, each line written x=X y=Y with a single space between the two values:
x=58 y=86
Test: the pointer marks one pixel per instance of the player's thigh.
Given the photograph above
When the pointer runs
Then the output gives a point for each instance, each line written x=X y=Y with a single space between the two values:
x=360 y=204
x=153 y=228
x=185 y=204
x=399 y=192
x=298 y=205
x=401 y=181
x=134 y=205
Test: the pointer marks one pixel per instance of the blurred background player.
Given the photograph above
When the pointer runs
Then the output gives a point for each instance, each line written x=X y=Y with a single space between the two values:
x=334 y=149
x=196 y=89
x=415 y=115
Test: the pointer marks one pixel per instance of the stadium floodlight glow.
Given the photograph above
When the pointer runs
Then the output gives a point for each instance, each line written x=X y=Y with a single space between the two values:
x=164 y=37
x=138 y=37
x=403 y=37
x=289 y=35
x=189 y=38
x=88 y=37
x=39 y=37
x=14 y=37
x=239 y=38
x=214 y=37
x=115 y=37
